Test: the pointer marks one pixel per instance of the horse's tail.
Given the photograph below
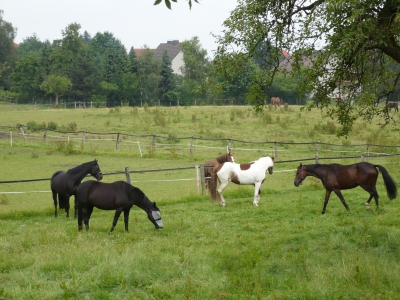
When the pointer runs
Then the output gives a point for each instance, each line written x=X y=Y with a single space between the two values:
x=212 y=184
x=391 y=187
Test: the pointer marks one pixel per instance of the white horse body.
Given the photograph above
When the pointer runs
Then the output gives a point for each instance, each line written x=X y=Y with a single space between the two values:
x=244 y=174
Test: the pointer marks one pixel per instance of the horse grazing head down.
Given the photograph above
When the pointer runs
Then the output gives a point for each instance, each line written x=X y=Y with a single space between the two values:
x=154 y=216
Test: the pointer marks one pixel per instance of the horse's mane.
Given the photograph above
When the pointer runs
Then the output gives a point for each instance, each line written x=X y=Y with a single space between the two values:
x=222 y=158
x=79 y=168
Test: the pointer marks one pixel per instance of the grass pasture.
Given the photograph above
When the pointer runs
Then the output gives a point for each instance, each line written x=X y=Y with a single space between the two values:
x=283 y=249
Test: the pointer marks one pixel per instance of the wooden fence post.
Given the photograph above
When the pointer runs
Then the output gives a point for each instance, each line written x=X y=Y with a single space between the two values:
x=10 y=138
x=117 y=143
x=317 y=153
x=203 y=188
x=229 y=145
x=191 y=145
x=153 y=144
x=128 y=175
x=197 y=179
x=21 y=130
x=367 y=153
x=83 y=136
x=276 y=149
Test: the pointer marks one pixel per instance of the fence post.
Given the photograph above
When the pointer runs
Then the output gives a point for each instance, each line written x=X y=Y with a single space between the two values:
x=197 y=179
x=10 y=138
x=276 y=149
x=21 y=130
x=229 y=145
x=367 y=154
x=117 y=143
x=45 y=135
x=317 y=153
x=83 y=136
x=362 y=158
x=153 y=144
x=191 y=145
x=203 y=188
x=128 y=175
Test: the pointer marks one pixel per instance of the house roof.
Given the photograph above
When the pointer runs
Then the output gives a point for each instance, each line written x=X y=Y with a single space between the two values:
x=172 y=48
x=139 y=52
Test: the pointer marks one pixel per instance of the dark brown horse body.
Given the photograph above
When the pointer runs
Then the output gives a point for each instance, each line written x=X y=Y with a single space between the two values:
x=64 y=184
x=119 y=196
x=337 y=177
x=209 y=165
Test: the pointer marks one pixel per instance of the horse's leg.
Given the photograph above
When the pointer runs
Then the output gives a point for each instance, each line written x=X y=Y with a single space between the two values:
x=221 y=188
x=371 y=189
x=75 y=207
x=116 y=217
x=55 y=203
x=327 y=195
x=126 y=218
x=339 y=194
x=80 y=217
x=257 y=192
x=66 y=199
x=84 y=209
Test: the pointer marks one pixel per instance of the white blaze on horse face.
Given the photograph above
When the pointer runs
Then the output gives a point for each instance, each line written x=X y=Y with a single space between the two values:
x=157 y=218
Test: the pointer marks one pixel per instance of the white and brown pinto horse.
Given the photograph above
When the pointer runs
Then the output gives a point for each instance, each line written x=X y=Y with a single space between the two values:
x=252 y=173
x=227 y=157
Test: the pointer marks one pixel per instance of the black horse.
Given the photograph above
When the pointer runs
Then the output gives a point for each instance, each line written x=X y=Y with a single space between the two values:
x=118 y=195
x=337 y=177
x=65 y=183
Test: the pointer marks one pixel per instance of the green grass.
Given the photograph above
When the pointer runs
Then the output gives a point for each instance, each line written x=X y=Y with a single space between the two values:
x=283 y=249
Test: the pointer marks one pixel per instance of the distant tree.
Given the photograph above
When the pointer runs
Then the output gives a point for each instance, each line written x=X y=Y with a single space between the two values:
x=30 y=44
x=167 y=83
x=149 y=76
x=86 y=37
x=57 y=85
x=133 y=62
x=70 y=58
x=7 y=50
x=26 y=77
x=196 y=66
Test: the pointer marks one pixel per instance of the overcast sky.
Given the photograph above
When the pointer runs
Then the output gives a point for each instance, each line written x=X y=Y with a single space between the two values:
x=134 y=22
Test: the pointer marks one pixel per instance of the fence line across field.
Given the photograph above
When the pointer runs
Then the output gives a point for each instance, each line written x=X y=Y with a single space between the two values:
x=85 y=137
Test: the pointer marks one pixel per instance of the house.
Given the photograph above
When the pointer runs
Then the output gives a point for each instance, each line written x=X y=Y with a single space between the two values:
x=174 y=52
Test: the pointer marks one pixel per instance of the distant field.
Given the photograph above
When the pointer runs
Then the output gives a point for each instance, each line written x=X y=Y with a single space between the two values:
x=283 y=249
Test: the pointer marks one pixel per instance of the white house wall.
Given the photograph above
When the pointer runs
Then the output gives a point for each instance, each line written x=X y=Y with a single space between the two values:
x=177 y=63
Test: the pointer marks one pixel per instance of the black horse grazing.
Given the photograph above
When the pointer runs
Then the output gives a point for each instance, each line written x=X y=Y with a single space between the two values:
x=65 y=183
x=337 y=177
x=118 y=195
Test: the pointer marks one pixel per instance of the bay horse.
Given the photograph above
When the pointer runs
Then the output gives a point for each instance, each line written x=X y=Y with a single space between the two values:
x=276 y=101
x=393 y=105
x=64 y=184
x=208 y=165
x=252 y=173
x=336 y=177
x=118 y=195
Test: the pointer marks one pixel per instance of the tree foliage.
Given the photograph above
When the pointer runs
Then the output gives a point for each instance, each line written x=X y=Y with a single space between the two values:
x=352 y=49
x=57 y=85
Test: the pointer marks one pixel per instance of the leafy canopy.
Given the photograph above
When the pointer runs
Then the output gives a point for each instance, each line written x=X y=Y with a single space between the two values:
x=343 y=50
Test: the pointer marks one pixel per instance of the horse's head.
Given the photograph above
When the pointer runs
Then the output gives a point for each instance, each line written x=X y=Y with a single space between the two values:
x=300 y=175
x=230 y=157
x=95 y=171
x=154 y=216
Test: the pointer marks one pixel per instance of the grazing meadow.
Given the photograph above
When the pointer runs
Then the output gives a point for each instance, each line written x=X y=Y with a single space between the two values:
x=282 y=249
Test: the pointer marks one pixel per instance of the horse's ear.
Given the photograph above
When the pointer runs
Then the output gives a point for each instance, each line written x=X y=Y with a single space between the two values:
x=300 y=165
x=273 y=158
